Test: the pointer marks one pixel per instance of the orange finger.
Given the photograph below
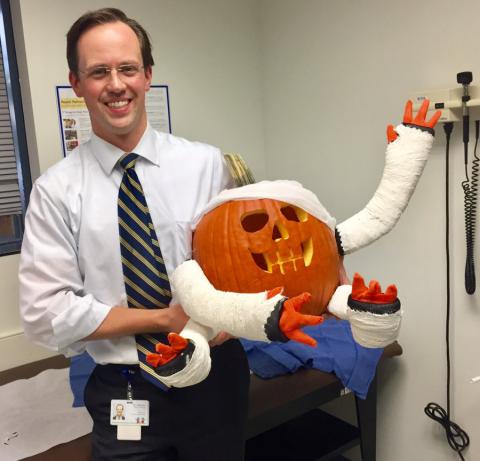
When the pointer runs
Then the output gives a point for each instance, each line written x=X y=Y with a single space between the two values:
x=274 y=292
x=373 y=288
x=407 y=115
x=163 y=360
x=391 y=292
x=291 y=322
x=433 y=121
x=311 y=319
x=301 y=337
x=391 y=134
x=422 y=113
x=154 y=360
x=298 y=301
x=358 y=286
x=163 y=348
x=177 y=342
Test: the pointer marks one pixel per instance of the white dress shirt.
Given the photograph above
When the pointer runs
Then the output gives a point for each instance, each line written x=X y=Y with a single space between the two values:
x=70 y=266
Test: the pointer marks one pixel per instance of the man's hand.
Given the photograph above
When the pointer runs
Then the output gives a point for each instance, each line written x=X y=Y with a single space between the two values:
x=419 y=120
x=177 y=318
x=122 y=321
x=220 y=339
x=343 y=278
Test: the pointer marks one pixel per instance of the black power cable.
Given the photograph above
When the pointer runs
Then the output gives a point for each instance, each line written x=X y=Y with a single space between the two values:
x=457 y=438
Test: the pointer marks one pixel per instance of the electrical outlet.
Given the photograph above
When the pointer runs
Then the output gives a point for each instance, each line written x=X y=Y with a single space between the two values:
x=452 y=102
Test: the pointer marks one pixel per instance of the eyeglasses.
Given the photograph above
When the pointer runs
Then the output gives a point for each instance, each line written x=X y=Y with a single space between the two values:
x=103 y=72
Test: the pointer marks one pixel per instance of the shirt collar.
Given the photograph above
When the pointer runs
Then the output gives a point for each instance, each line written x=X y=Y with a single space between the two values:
x=108 y=155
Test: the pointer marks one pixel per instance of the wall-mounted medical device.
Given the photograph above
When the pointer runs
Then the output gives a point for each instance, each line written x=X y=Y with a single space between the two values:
x=462 y=104
x=450 y=102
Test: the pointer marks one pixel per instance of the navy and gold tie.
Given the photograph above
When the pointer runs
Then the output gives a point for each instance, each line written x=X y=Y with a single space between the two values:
x=146 y=280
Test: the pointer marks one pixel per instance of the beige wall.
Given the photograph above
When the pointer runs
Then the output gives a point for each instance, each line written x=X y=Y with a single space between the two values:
x=335 y=74
x=14 y=348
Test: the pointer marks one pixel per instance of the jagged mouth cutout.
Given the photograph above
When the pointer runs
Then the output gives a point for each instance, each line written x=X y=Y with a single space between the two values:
x=254 y=221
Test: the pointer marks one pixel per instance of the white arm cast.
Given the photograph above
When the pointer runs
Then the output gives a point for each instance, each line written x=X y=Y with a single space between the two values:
x=338 y=304
x=198 y=368
x=240 y=314
x=404 y=163
x=211 y=311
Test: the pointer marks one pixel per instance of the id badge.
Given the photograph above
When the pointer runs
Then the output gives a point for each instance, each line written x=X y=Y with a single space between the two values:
x=129 y=416
x=128 y=412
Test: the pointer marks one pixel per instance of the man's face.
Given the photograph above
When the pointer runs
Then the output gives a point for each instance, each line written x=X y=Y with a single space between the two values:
x=119 y=409
x=116 y=103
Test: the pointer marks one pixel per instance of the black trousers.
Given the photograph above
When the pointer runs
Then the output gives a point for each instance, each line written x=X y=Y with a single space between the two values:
x=205 y=422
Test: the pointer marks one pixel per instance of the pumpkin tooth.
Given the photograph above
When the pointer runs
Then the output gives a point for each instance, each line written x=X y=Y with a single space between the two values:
x=284 y=258
x=288 y=266
x=276 y=269
x=269 y=263
x=264 y=262
x=307 y=249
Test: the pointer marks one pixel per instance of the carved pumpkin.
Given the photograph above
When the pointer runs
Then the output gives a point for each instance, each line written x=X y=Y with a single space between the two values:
x=249 y=246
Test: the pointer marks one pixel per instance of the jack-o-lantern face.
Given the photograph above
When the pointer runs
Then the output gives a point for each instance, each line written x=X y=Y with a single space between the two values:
x=254 y=245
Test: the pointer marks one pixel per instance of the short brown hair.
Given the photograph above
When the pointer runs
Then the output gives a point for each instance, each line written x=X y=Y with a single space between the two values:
x=105 y=16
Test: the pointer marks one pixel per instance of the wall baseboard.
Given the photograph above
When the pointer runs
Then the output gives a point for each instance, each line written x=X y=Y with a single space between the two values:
x=16 y=350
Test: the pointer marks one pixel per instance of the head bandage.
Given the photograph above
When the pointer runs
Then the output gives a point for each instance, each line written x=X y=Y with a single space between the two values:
x=291 y=192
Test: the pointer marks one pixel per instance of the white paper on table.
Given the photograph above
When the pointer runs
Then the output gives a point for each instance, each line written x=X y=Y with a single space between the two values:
x=37 y=414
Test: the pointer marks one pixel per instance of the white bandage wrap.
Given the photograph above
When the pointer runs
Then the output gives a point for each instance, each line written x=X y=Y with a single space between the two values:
x=374 y=330
x=368 y=329
x=240 y=314
x=338 y=303
x=404 y=164
x=198 y=366
x=283 y=190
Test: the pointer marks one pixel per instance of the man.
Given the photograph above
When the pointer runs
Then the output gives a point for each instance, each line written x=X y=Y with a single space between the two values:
x=119 y=413
x=73 y=292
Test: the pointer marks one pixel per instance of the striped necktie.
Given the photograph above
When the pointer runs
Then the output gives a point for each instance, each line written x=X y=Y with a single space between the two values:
x=145 y=276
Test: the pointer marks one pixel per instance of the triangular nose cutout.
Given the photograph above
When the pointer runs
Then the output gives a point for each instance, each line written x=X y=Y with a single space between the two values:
x=279 y=231
x=276 y=233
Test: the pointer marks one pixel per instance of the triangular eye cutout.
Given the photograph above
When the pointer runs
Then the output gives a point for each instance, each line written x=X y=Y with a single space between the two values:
x=289 y=213
x=254 y=221
x=293 y=213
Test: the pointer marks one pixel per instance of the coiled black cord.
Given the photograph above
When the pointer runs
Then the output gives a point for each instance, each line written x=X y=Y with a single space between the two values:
x=457 y=438
x=470 y=189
